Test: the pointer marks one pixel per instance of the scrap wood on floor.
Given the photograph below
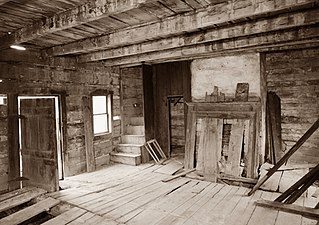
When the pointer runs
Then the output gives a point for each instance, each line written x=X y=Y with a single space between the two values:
x=143 y=199
x=170 y=167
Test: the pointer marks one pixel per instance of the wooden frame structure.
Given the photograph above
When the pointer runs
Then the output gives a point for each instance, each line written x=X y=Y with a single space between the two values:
x=225 y=110
x=155 y=150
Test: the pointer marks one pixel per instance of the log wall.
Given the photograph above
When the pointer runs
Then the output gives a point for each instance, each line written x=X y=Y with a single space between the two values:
x=294 y=76
x=132 y=88
x=33 y=75
x=3 y=149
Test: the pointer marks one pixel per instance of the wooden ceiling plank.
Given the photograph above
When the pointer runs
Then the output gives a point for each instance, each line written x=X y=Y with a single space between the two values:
x=68 y=34
x=44 y=42
x=82 y=14
x=281 y=22
x=93 y=26
x=7 y=8
x=23 y=4
x=177 y=6
x=157 y=9
x=142 y=15
x=53 y=39
x=194 y=4
x=127 y=18
x=80 y=30
x=90 y=29
x=174 y=26
x=15 y=18
x=109 y=23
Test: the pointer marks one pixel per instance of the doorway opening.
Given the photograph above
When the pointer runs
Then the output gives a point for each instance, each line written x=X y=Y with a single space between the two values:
x=40 y=140
x=176 y=125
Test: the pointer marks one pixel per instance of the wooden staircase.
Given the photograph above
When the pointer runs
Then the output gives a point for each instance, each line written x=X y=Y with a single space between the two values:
x=131 y=150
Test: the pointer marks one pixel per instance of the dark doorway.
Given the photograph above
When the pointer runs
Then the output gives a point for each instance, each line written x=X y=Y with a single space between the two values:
x=176 y=125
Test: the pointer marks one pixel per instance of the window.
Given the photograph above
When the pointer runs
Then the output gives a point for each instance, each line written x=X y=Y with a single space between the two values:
x=101 y=114
x=3 y=100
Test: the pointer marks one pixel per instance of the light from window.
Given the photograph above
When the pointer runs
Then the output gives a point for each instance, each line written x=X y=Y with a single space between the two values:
x=100 y=114
x=3 y=100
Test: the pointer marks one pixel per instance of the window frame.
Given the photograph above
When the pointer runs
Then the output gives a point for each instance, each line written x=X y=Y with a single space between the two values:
x=109 y=102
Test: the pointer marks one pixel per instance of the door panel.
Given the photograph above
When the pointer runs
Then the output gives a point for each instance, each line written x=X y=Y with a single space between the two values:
x=38 y=143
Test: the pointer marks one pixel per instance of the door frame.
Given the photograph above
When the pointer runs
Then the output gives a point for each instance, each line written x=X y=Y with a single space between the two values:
x=59 y=130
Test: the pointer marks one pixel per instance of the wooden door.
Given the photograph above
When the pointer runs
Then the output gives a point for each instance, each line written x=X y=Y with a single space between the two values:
x=39 y=143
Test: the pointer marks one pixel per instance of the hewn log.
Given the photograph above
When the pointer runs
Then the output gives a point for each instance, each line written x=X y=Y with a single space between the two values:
x=284 y=21
x=216 y=15
x=265 y=42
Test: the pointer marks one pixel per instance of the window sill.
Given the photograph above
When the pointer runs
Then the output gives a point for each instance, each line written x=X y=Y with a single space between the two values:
x=102 y=135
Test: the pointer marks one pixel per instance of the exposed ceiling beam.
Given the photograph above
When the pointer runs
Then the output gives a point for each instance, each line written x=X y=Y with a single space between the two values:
x=280 y=22
x=277 y=40
x=216 y=15
x=94 y=10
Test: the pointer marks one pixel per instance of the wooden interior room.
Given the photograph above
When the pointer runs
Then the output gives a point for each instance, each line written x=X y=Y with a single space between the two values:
x=159 y=112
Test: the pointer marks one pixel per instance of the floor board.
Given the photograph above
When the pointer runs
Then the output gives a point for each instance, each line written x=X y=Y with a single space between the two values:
x=121 y=194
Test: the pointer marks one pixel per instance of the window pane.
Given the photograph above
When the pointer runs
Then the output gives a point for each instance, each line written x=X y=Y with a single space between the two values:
x=3 y=100
x=99 y=104
x=100 y=124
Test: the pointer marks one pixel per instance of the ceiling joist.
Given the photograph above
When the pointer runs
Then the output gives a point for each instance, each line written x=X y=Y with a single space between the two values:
x=212 y=16
x=278 y=40
x=89 y=12
x=280 y=22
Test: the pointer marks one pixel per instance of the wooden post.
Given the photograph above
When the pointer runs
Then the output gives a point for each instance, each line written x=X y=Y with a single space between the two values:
x=88 y=129
x=294 y=148
x=13 y=136
x=190 y=138
x=274 y=122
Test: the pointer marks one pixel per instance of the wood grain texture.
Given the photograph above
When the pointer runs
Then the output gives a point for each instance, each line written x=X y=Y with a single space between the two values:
x=29 y=212
x=88 y=126
x=203 y=19
x=70 y=18
x=39 y=143
x=296 y=87
x=13 y=138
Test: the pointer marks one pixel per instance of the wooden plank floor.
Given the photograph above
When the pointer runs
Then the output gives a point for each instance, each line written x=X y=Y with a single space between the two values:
x=122 y=194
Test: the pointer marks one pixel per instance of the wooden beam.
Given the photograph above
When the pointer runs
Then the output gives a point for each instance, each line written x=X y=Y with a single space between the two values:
x=281 y=22
x=13 y=137
x=264 y=42
x=216 y=15
x=88 y=12
x=295 y=209
x=88 y=127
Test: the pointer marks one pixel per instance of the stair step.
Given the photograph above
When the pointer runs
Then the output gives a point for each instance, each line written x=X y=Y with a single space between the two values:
x=130 y=148
x=137 y=121
x=126 y=158
x=135 y=130
x=133 y=139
